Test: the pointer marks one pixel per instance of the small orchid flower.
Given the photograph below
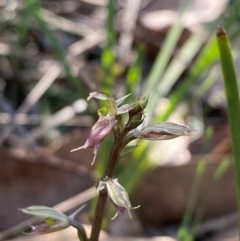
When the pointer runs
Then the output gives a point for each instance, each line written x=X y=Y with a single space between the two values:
x=114 y=105
x=54 y=220
x=117 y=194
x=162 y=131
x=98 y=133
x=106 y=121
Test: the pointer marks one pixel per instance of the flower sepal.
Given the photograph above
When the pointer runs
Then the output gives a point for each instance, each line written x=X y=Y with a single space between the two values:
x=53 y=220
x=134 y=107
x=98 y=133
x=141 y=104
x=117 y=194
x=162 y=131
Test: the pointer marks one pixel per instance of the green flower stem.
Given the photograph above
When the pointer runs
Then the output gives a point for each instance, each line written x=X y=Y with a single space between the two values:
x=102 y=198
x=81 y=231
x=233 y=103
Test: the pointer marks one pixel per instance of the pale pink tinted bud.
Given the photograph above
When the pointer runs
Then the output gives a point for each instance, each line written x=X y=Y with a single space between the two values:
x=100 y=130
x=162 y=131
x=117 y=194
x=98 y=133
x=54 y=220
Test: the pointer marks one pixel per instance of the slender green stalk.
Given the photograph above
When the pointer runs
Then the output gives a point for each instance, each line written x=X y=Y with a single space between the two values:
x=108 y=55
x=206 y=59
x=81 y=231
x=164 y=55
x=183 y=231
x=134 y=74
x=102 y=198
x=218 y=174
x=175 y=68
x=233 y=103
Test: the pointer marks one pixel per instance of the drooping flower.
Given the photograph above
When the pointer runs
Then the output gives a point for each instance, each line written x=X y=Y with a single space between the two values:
x=54 y=220
x=106 y=121
x=162 y=131
x=98 y=133
x=117 y=194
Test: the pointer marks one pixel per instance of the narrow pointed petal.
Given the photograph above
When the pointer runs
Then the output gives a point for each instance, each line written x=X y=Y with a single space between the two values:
x=103 y=96
x=99 y=96
x=119 y=101
x=114 y=216
x=126 y=108
x=94 y=154
x=129 y=213
x=72 y=216
x=136 y=106
x=79 y=148
x=45 y=212
x=101 y=186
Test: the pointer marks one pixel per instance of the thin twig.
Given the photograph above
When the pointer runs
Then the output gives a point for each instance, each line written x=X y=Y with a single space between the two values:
x=100 y=3
x=86 y=43
x=31 y=119
x=60 y=117
x=33 y=97
x=66 y=24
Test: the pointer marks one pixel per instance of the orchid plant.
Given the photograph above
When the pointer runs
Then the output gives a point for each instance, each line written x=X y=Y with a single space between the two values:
x=125 y=129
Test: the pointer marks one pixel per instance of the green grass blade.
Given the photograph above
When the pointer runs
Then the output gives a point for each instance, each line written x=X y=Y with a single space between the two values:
x=108 y=55
x=206 y=59
x=134 y=74
x=233 y=103
x=218 y=174
x=208 y=56
x=206 y=84
x=176 y=68
x=165 y=52
x=107 y=64
x=184 y=230
x=222 y=168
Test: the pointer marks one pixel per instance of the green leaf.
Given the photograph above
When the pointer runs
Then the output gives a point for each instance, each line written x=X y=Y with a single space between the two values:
x=233 y=102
